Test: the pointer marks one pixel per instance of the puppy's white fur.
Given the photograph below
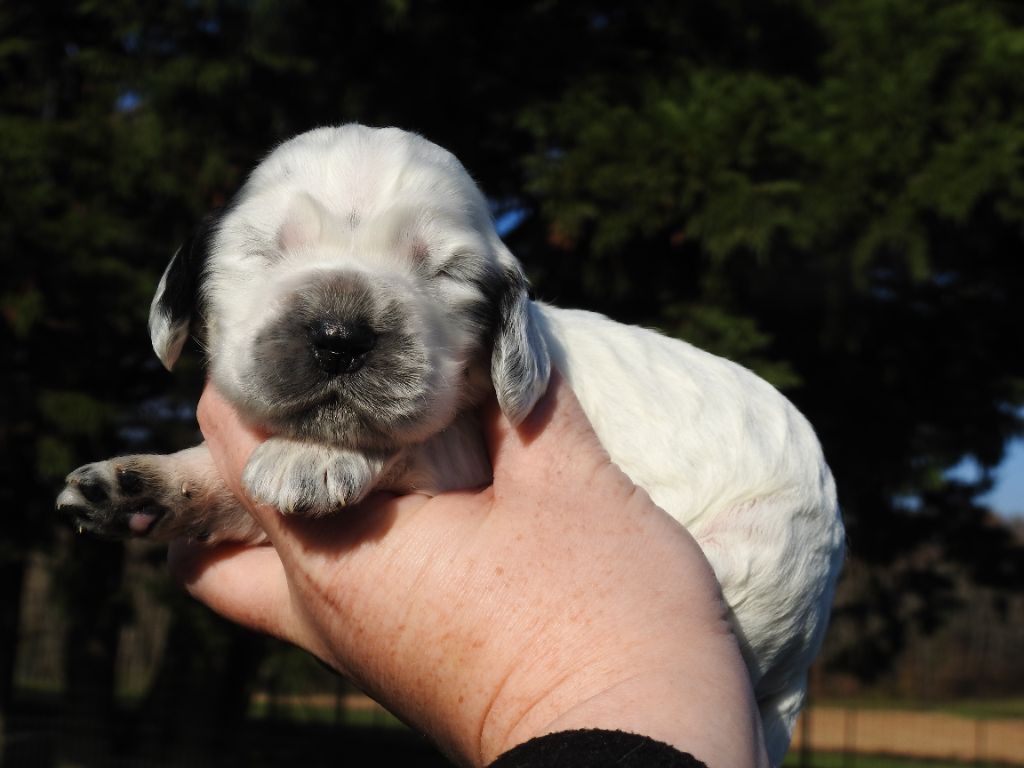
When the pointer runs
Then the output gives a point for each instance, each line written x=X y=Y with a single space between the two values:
x=384 y=226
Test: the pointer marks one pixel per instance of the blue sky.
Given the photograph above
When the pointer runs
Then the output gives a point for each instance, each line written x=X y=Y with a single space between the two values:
x=1007 y=497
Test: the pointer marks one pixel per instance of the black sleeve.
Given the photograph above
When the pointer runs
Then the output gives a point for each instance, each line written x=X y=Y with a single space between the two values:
x=595 y=749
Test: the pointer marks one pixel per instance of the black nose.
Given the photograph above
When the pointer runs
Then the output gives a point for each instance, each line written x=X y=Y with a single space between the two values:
x=341 y=347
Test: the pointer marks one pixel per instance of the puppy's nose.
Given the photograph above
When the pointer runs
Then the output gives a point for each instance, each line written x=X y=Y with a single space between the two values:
x=341 y=347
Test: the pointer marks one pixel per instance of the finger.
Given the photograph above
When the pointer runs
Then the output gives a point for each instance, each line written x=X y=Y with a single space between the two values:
x=244 y=584
x=555 y=435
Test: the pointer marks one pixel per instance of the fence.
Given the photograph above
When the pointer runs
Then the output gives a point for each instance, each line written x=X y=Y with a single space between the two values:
x=919 y=735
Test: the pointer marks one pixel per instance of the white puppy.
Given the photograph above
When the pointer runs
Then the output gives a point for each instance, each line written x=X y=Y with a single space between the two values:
x=356 y=301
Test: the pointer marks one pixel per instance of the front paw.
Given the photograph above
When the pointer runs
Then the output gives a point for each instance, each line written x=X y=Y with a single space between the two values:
x=111 y=498
x=313 y=480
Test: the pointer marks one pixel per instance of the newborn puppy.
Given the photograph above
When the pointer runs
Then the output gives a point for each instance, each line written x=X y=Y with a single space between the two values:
x=356 y=302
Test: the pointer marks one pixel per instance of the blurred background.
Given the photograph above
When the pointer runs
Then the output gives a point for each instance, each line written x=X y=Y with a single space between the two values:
x=831 y=193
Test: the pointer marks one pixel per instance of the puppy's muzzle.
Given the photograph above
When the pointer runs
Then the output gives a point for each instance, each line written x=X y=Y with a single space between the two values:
x=341 y=348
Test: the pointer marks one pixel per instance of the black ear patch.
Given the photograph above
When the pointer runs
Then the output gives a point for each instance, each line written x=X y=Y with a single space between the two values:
x=520 y=363
x=174 y=309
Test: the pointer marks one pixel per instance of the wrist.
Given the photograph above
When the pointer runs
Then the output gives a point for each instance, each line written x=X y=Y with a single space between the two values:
x=698 y=707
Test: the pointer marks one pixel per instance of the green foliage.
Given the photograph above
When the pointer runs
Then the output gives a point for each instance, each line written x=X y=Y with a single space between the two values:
x=721 y=332
x=682 y=159
x=912 y=114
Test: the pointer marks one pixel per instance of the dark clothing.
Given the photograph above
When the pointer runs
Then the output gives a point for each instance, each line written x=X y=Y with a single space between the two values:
x=595 y=749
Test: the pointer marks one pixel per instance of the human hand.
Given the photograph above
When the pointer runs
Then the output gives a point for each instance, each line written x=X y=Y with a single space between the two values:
x=559 y=597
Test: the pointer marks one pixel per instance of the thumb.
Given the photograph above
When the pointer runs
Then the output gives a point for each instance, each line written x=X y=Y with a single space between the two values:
x=231 y=442
x=554 y=437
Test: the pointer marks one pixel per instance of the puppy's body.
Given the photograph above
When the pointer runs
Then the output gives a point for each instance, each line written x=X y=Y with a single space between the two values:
x=356 y=302
x=733 y=461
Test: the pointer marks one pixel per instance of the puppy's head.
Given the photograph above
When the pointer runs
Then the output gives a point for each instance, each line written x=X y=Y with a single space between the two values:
x=355 y=293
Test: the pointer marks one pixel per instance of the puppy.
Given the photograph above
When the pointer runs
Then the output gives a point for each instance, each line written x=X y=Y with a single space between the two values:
x=356 y=302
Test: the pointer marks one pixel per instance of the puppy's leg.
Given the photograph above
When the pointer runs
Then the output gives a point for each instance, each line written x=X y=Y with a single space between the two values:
x=158 y=498
x=311 y=479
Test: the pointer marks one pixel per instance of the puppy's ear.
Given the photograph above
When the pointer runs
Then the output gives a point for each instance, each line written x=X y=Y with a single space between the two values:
x=520 y=362
x=173 y=311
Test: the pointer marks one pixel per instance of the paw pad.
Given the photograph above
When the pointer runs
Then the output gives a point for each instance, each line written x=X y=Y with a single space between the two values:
x=109 y=499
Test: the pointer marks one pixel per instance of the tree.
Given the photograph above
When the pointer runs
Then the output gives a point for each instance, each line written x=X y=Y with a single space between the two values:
x=96 y=192
x=839 y=189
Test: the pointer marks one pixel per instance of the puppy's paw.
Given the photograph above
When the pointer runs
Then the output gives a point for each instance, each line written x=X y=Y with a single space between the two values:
x=114 y=498
x=311 y=480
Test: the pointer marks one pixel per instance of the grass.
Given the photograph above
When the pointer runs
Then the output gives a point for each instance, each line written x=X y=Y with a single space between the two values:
x=978 y=709
x=986 y=710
